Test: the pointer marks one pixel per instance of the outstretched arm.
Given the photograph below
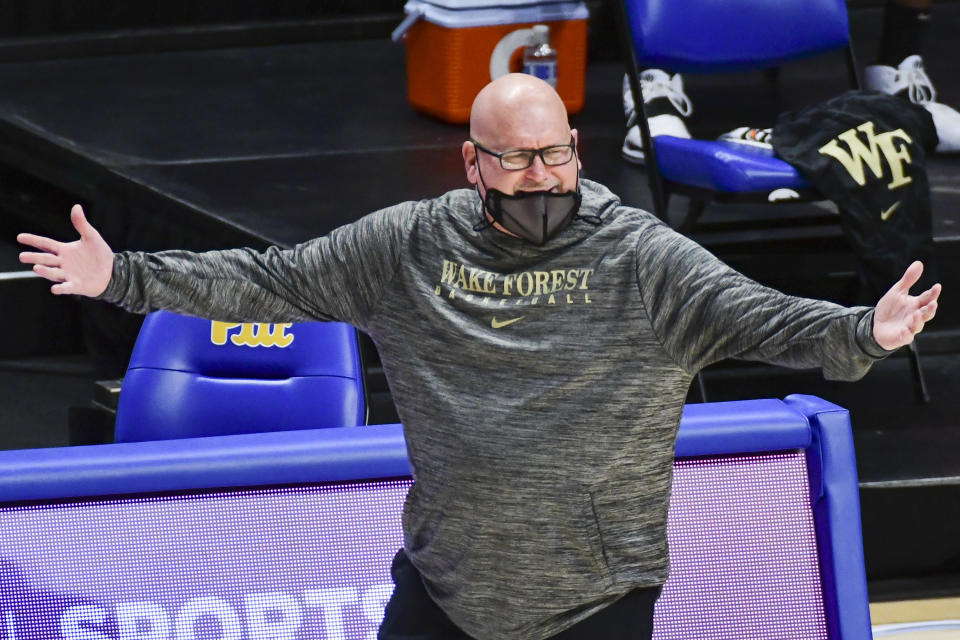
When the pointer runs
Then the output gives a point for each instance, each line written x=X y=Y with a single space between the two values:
x=704 y=312
x=899 y=316
x=82 y=267
x=340 y=276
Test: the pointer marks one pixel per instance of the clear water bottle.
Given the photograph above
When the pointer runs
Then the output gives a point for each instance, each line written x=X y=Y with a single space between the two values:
x=539 y=58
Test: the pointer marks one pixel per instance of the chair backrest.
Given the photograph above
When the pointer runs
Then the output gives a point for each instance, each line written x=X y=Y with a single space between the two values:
x=191 y=377
x=730 y=35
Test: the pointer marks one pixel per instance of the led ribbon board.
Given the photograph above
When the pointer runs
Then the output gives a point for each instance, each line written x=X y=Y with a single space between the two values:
x=313 y=561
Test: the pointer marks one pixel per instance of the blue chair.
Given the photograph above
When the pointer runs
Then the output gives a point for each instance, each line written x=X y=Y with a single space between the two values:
x=707 y=36
x=712 y=36
x=191 y=377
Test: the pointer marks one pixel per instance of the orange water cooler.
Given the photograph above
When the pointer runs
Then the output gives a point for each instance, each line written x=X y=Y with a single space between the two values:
x=455 y=47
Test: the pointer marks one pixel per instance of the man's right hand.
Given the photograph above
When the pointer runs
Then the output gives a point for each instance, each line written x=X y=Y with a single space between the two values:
x=82 y=267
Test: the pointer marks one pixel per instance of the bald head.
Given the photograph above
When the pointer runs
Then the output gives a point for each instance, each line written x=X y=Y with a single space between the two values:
x=516 y=108
x=515 y=112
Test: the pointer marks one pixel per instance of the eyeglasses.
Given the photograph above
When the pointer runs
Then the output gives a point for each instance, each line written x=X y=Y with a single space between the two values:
x=519 y=159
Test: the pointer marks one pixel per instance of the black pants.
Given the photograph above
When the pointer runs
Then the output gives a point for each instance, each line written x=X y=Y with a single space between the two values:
x=412 y=615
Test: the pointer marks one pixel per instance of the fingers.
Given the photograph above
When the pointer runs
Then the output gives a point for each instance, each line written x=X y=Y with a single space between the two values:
x=64 y=288
x=927 y=303
x=48 y=259
x=930 y=295
x=920 y=318
x=40 y=242
x=54 y=274
x=79 y=221
x=915 y=324
x=910 y=276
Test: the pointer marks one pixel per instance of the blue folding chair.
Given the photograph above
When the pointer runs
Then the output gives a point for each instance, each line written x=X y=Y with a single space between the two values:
x=722 y=36
x=707 y=36
x=190 y=377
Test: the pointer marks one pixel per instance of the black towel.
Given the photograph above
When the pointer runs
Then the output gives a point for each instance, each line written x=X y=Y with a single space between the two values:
x=866 y=151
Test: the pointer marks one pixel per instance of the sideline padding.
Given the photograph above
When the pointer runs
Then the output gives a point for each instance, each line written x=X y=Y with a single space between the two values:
x=709 y=435
x=337 y=454
x=215 y=462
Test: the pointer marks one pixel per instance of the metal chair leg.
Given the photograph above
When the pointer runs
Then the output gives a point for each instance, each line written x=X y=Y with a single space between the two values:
x=702 y=387
x=695 y=209
x=919 y=382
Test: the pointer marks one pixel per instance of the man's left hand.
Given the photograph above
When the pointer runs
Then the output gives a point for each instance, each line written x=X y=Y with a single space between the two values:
x=900 y=316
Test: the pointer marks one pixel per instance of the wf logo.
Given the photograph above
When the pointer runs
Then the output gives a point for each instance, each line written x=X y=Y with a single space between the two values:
x=251 y=334
x=878 y=147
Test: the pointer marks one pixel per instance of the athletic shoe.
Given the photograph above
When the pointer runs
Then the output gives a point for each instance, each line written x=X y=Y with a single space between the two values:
x=750 y=136
x=910 y=81
x=665 y=104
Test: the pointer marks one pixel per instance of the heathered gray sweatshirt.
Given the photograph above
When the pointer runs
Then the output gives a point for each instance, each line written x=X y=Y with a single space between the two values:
x=540 y=388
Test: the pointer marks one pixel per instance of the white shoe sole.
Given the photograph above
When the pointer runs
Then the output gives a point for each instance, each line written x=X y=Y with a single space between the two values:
x=631 y=154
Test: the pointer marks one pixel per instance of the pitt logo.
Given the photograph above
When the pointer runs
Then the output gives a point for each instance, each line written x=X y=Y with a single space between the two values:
x=251 y=334
x=878 y=144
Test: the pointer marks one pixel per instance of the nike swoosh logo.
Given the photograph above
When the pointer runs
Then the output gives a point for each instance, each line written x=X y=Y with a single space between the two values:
x=886 y=213
x=500 y=325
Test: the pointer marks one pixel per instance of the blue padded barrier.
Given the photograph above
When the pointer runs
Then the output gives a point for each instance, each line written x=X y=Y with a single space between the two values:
x=745 y=426
x=376 y=451
x=191 y=377
x=246 y=460
x=832 y=467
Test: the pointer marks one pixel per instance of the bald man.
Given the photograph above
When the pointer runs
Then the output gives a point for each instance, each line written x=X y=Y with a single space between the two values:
x=539 y=339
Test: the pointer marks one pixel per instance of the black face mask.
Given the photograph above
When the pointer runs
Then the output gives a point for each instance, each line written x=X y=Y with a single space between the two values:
x=535 y=216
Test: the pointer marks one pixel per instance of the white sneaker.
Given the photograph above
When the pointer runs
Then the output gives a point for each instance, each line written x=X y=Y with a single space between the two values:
x=910 y=80
x=665 y=104
x=750 y=136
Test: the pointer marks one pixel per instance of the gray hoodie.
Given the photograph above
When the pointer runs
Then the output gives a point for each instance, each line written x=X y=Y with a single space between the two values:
x=540 y=388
